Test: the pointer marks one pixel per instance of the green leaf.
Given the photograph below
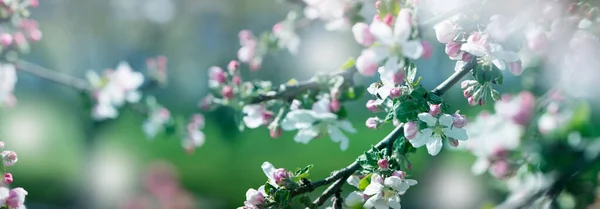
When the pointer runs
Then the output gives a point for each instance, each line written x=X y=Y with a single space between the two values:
x=419 y=92
x=348 y=64
x=364 y=182
x=283 y=197
x=302 y=172
x=342 y=113
x=411 y=73
x=270 y=189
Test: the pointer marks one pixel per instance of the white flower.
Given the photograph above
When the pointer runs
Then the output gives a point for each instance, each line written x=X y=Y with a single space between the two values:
x=396 y=41
x=311 y=123
x=255 y=197
x=8 y=79
x=195 y=137
x=385 y=193
x=155 y=122
x=255 y=115
x=490 y=135
x=437 y=129
x=477 y=45
x=354 y=199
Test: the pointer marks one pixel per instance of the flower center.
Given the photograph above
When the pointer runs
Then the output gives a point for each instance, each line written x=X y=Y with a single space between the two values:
x=389 y=193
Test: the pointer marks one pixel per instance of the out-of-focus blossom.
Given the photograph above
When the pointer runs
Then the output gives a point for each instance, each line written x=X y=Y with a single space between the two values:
x=519 y=108
x=362 y=34
x=312 y=123
x=332 y=12
x=114 y=89
x=8 y=79
x=195 y=137
x=9 y=158
x=445 y=31
x=155 y=123
x=256 y=115
x=16 y=198
x=286 y=36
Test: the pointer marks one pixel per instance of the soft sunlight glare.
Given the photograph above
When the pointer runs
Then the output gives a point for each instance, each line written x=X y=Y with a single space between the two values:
x=324 y=52
x=453 y=187
x=113 y=176
x=25 y=131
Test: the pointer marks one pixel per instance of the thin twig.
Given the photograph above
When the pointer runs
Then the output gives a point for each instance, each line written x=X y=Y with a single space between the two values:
x=54 y=76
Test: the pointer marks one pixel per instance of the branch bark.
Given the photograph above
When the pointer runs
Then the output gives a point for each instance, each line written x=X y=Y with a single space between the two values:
x=54 y=76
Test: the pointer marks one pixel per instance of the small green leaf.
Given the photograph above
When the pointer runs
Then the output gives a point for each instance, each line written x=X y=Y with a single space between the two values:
x=342 y=113
x=282 y=197
x=348 y=64
x=302 y=172
x=364 y=182
x=269 y=189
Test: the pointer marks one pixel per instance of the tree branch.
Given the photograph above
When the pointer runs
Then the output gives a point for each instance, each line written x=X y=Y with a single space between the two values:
x=54 y=76
x=340 y=176
x=291 y=91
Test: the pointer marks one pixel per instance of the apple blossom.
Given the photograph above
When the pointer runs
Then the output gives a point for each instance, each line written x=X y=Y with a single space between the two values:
x=287 y=37
x=362 y=34
x=373 y=122
x=491 y=53
x=8 y=79
x=410 y=130
x=195 y=137
x=16 y=198
x=6 y=39
x=8 y=178
x=332 y=12
x=453 y=49
x=372 y=105
x=256 y=115
x=277 y=177
x=311 y=123
x=158 y=118
x=434 y=109
x=227 y=92
x=254 y=197
x=385 y=193
x=519 y=109
x=216 y=76
x=445 y=31
x=383 y=164
x=9 y=158
x=437 y=129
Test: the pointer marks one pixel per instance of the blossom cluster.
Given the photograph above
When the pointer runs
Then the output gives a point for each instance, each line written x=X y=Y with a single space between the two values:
x=10 y=198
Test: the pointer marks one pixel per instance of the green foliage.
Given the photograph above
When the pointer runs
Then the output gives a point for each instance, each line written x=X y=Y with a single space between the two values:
x=283 y=197
x=302 y=173
x=364 y=182
x=348 y=64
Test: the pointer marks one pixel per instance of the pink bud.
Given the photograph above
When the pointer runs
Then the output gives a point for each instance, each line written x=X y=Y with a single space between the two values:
x=9 y=158
x=372 y=122
x=233 y=66
x=277 y=29
x=481 y=101
x=236 y=80
x=453 y=142
x=362 y=34
x=383 y=164
x=398 y=78
x=335 y=105
x=280 y=175
x=396 y=122
x=445 y=32
x=217 y=74
x=20 y=38
x=499 y=152
x=245 y=36
x=459 y=121
x=388 y=19
x=34 y=3
x=267 y=117
x=427 y=49
x=8 y=178
x=246 y=53
x=6 y=39
x=227 y=92
x=275 y=132
x=395 y=93
x=206 y=103
x=377 y=4
x=467 y=83
x=472 y=101
x=16 y=197
x=453 y=49
x=410 y=130
x=516 y=68
x=399 y=174
x=500 y=169
x=372 y=105
x=467 y=93
x=367 y=63
x=35 y=35
x=434 y=109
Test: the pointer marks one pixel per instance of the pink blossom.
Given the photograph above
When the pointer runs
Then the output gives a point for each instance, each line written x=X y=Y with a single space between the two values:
x=227 y=92
x=453 y=49
x=35 y=35
x=472 y=101
x=362 y=34
x=399 y=174
x=236 y=80
x=383 y=164
x=519 y=109
x=372 y=105
x=434 y=109
x=335 y=105
x=6 y=39
x=217 y=74
x=275 y=132
x=388 y=19
x=233 y=66
x=395 y=93
x=372 y=122
x=459 y=120
x=245 y=36
x=9 y=158
x=516 y=68
x=16 y=197
x=500 y=169
x=427 y=49
x=8 y=178
x=398 y=78
x=34 y=3
x=280 y=175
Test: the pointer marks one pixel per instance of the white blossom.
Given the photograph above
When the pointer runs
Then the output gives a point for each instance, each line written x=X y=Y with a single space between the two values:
x=311 y=123
x=114 y=89
x=385 y=193
x=437 y=129
x=8 y=79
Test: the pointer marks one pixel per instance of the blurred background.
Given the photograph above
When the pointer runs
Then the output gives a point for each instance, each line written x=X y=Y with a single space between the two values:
x=65 y=165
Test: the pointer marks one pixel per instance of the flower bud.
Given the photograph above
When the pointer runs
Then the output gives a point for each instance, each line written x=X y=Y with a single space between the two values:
x=373 y=122
x=35 y=35
x=399 y=174
x=9 y=158
x=246 y=53
x=466 y=57
x=217 y=74
x=458 y=120
x=255 y=64
x=362 y=34
x=516 y=68
x=434 y=109
x=410 y=130
x=267 y=117
x=395 y=92
x=335 y=105
x=367 y=63
x=16 y=197
x=8 y=178
x=207 y=102
x=34 y=3
x=388 y=19
x=227 y=92
x=236 y=80
x=481 y=101
x=280 y=175
x=445 y=32
x=255 y=197
x=500 y=169
x=453 y=49
x=383 y=164
x=398 y=78
x=6 y=39
x=275 y=132
x=427 y=49
x=453 y=142
x=377 y=4
x=233 y=66
x=372 y=105
x=468 y=92
x=467 y=83
x=245 y=36
x=472 y=101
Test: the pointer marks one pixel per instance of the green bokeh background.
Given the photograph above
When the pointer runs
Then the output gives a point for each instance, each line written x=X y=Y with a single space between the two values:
x=48 y=126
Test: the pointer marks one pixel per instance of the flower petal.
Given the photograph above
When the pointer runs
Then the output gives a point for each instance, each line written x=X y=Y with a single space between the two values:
x=456 y=133
x=269 y=170
x=434 y=147
x=373 y=188
x=298 y=119
x=411 y=182
x=353 y=180
x=382 y=32
x=412 y=49
x=500 y=64
x=422 y=138
x=354 y=198
x=446 y=120
x=428 y=118
x=306 y=135
x=338 y=136
x=345 y=125
x=394 y=202
x=396 y=183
